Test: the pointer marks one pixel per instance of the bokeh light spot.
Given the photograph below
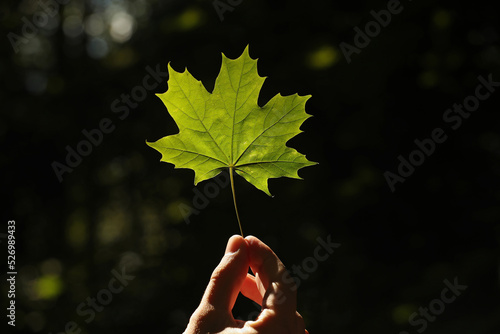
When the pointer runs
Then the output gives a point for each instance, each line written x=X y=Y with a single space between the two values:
x=178 y=211
x=191 y=18
x=113 y=225
x=97 y=48
x=36 y=82
x=441 y=19
x=73 y=26
x=402 y=312
x=428 y=79
x=76 y=229
x=323 y=57
x=122 y=27
x=95 y=25
x=120 y=58
x=51 y=267
x=48 y=286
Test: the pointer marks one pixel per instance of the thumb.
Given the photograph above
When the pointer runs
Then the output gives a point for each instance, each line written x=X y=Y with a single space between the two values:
x=227 y=278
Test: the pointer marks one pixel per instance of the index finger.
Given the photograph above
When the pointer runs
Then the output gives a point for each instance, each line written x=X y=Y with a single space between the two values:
x=280 y=288
x=227 y=278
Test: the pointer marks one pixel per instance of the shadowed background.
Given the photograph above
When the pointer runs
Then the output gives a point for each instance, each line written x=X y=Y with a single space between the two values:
x=121 y=209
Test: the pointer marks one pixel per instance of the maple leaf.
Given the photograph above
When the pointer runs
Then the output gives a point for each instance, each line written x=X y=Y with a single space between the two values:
x=227 y=129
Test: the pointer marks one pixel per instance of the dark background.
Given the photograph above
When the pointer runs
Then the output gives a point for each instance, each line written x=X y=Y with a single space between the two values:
x=119 y=208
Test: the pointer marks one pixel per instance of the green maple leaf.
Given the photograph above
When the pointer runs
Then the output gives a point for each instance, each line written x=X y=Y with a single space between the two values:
x=227 y=129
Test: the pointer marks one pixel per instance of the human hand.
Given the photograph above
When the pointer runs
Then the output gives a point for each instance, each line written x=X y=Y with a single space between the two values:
x=267 y=288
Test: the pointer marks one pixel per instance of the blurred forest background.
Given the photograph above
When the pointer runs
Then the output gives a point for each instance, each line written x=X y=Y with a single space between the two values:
x=121 y=209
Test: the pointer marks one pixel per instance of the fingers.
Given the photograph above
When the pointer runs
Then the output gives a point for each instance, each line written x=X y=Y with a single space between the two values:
x=301 y=327
x=280 y=295
x=272 y=287
x=251 y=290
x=227 y=278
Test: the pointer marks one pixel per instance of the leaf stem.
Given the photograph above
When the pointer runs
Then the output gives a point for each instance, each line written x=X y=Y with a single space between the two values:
x=231 y=167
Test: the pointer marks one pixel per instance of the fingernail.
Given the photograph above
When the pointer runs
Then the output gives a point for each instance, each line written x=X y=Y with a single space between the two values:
x=233 y=245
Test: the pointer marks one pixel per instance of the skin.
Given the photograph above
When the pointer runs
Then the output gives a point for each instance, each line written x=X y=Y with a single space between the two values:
x=277 y=299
